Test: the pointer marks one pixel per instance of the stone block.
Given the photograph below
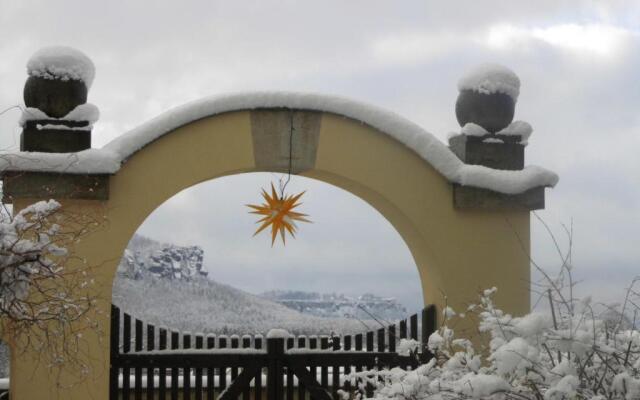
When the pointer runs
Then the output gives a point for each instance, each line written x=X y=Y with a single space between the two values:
x=472 y=150
x=47 y=185
x=48 y=140
x=275 y=143
x=467 y=197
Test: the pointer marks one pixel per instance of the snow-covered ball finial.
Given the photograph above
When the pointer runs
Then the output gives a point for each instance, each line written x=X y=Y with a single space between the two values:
x=491 y=78
x=63 y=63
x=488 y=94
x=59 y=80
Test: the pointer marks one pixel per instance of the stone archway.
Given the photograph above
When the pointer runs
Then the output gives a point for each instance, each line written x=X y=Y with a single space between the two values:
x=462 y=238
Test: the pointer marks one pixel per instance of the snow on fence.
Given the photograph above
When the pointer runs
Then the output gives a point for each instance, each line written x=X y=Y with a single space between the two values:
x=156 y=360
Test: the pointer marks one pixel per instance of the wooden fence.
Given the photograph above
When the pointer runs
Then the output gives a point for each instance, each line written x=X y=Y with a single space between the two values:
x=156 y=363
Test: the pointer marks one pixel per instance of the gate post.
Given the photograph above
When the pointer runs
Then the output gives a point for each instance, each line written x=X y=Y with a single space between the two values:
x=275 y=354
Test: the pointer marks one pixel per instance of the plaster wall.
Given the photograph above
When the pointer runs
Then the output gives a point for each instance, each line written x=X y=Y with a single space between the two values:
x=457 y=253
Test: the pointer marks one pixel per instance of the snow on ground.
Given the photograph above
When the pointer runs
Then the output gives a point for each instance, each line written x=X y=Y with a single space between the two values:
x=109 y=159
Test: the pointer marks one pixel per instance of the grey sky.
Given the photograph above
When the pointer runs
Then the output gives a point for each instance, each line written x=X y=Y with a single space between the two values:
x=578 y=62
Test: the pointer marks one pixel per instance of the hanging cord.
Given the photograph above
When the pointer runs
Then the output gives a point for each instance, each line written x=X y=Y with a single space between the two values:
x=11 y=108
x=291 y=129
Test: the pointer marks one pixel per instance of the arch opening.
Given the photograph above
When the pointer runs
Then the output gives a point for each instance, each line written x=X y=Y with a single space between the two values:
x=349 y=251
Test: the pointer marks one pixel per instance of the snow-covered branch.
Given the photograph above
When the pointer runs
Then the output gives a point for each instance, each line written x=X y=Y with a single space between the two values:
x=572 y=349
x=44 y=289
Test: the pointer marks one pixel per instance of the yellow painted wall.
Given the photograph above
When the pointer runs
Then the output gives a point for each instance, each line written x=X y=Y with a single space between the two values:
x=457 y=253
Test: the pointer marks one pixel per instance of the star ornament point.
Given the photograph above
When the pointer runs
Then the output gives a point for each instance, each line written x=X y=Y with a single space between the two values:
x=277 y=212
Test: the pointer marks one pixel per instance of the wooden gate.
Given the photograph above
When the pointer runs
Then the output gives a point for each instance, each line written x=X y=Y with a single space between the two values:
x=155 y=363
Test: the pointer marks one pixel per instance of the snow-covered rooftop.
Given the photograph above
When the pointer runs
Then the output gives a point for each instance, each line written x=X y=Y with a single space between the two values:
x=109 y=158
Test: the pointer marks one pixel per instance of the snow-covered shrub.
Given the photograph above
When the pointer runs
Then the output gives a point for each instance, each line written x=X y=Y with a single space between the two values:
x=44 y=303
x=571 y=352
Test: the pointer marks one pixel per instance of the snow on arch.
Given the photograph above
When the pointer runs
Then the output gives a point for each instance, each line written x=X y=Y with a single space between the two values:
x=109 y=159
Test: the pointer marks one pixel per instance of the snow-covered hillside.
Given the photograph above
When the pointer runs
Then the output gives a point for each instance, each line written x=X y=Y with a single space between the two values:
x=210 y=307
x=189 y=301
x=339 y=305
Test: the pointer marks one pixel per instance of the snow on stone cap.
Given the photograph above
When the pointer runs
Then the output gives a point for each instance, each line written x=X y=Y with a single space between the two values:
x=521 y=130
x=491 y=78
x=84 y=112
x=61 y=62
x=471 y=129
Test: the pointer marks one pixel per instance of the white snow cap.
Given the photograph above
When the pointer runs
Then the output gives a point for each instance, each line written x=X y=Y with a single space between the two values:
x=278 y=334
x=60 y=62
x=471 y=129
x=521 y=129
x=83 y=112
x=491 y=78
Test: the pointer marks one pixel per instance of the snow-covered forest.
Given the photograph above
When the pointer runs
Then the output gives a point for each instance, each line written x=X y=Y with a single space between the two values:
x=336 y=305
x=166 y=285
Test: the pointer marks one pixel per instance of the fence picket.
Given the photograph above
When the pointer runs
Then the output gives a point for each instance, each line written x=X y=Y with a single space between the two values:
x=162 y=373
x=257 y=344
x=175 y=344
x=313 y=345
x=138 y=370
x=150 y=370
x=335 y=369
x=429 y=324
x=381 y=342
x=126 y=348
x=347 y=367
x=358 y=344
x=324 y=371
x=246 y=344
x=235 y=343
x=302 y=344
x=211 y=343
x=290 y=343
x=198 y=371
x=403 y=329
x=369 y=387
x=222 y=371
x=414 y=326
x=391 y=329
x=186 y=371
x=114 y=370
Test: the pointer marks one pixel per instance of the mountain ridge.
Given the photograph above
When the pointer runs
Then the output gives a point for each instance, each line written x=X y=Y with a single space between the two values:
x=161 y=284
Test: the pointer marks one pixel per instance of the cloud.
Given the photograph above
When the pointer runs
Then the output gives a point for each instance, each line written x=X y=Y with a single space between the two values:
x=604 y=41
x=413 y=48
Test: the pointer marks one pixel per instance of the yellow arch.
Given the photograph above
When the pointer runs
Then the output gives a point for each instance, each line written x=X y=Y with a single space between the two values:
x=457 y=252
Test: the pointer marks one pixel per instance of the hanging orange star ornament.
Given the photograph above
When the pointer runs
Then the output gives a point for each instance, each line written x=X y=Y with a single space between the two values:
x=278 y=213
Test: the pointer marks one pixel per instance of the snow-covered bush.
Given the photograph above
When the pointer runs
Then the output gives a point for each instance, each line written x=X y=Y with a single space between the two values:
x=570 y=352
x=44 y=303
